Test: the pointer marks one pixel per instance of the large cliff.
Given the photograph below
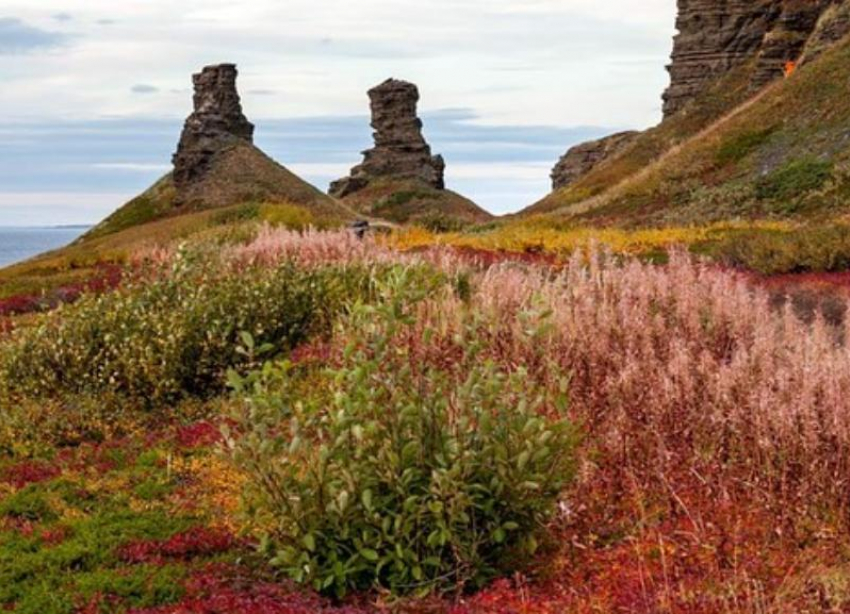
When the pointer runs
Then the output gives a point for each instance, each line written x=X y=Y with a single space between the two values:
x=716 y=36
x=725 y=52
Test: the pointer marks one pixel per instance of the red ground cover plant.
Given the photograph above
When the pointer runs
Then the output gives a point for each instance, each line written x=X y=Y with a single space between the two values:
x=224 y=589
x=195 y=542
x=107 y=277
x=29 y=472
x=199 y=435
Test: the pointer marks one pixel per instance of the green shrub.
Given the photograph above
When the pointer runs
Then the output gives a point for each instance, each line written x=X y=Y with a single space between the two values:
x=794 y=179
x=394 y=473
x=820 y=249
x=234 y=215
x=290 y=216
x=740 y=146
x=439 y=222
x=160 y=340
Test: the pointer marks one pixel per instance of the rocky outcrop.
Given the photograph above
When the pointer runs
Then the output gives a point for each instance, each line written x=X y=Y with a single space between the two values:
x=400 y=150
x=218 y=165
x=716 y=36
x=834 y=25
x=784 y=44
x=583 y=158
x=216 y=124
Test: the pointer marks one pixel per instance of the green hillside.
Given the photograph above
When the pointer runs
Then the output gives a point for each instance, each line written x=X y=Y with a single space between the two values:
x=242 y=174
x=783 y=154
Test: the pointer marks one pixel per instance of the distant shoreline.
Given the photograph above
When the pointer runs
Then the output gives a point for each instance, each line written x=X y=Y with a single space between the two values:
x=56 y=227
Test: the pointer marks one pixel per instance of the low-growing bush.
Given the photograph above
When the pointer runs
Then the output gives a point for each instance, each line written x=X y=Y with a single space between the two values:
x=740 y=146
x=820 y=249
x=441 y=223
x=396 y=472
x=794 y=179
x=175 y=335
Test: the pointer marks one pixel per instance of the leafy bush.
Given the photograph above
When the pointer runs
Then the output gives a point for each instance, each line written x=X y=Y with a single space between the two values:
x=821 y=249
x=234 y=215
x=397 y=473
x=175 y=335
x=290 y=216
x=794 y=179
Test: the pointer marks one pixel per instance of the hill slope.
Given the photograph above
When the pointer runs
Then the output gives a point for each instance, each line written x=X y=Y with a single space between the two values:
x=783 y=154
x=410 y=201
x=240 y=174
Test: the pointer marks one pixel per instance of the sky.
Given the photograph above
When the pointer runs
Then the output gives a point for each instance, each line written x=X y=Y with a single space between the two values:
x=95 y=91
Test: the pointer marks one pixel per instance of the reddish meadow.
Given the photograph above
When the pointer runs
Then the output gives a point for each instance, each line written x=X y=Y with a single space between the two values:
x=714 y=457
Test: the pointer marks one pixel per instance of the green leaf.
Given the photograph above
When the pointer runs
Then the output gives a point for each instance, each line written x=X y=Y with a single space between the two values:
x=369 y=554
x=522 y=460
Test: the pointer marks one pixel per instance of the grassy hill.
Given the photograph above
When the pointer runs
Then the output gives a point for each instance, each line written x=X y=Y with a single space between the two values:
x=408 y=201
x=241 y=174
x=782 y=154
x=244 y=186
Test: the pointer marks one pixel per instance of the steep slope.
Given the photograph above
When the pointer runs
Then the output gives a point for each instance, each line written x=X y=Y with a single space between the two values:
x=399 y=178
x=783 y=154
x=725 y=56
x=729 y=92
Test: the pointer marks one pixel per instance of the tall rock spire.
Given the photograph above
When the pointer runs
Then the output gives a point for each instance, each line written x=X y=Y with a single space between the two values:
x=400 y=150
x=216 y=123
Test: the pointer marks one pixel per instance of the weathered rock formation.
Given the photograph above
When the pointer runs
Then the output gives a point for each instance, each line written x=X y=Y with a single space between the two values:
x=215 y=125
x=400 y=150
x=217 y=164
x=716 y=36
x=581 y=159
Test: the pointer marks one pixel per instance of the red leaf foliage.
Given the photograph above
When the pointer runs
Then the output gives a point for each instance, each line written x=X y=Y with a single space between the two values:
x=29 y=472
x=196 y=542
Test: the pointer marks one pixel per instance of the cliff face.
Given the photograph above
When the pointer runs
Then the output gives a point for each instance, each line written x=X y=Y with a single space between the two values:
x=716 y=36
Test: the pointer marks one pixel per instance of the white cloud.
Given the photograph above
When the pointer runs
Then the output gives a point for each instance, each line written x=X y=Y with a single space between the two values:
x=141 y=167
x=565 y=62
x=531 y=65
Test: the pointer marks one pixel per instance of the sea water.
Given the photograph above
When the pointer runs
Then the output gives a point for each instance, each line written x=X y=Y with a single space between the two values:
x=17 y=244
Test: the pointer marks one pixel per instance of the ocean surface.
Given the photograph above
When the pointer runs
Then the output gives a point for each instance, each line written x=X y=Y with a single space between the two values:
x=18 y=244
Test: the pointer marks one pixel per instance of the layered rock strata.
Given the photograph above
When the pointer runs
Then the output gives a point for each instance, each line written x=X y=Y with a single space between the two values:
x=400 y=150
x=716 y=36
x=216 y=124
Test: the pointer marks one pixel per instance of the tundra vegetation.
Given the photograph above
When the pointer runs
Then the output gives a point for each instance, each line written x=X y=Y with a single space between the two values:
x=290 y=421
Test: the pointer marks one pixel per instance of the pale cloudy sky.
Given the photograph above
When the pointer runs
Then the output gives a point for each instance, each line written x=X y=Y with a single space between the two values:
x=94 y=91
